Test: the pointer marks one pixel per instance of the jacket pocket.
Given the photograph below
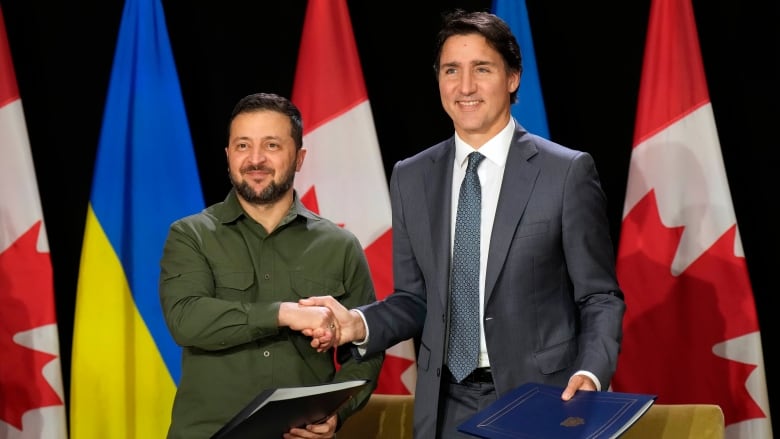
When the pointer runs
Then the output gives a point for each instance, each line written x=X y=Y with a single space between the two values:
x=536 y=228
x=556 y=358
x=233 y=285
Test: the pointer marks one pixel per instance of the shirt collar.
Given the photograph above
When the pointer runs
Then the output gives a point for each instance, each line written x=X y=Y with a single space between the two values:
x=231 y=209
x=495 y=149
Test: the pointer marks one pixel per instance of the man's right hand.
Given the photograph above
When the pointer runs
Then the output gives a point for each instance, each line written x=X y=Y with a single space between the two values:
x=320 y=318
x=350 y=324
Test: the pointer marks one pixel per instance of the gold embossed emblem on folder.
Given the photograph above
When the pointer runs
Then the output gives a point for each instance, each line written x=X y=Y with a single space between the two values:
x=572 y=421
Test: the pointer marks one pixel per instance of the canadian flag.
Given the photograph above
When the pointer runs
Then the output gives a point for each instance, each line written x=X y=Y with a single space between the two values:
x=31 y=395
x=691 y=332
x=343 y=178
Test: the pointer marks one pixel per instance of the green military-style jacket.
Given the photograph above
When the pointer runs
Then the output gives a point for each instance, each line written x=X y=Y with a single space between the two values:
x=222 y=280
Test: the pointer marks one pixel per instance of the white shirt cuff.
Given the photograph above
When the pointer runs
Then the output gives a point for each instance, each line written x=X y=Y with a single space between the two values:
x=591 y=376
x=361 y=344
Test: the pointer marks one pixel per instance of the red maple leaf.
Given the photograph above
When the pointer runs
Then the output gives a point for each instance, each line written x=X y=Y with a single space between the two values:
x=380 y=260
x=309 y=199
x=673 y=322
x=26 y=303
x=389 y=380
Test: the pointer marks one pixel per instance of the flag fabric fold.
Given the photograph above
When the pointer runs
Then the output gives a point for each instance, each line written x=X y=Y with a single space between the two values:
x=343 y=177
x=691 y=332
x=31 y=392
x=125 y=364
x=529 y=109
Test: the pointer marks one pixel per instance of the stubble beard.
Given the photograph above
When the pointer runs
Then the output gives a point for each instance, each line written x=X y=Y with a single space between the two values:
x=270 y=194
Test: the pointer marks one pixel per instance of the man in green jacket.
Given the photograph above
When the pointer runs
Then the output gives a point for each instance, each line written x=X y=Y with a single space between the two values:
x=232 y=275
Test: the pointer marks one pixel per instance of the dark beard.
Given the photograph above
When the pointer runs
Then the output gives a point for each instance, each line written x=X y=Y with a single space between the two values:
x=271 y=194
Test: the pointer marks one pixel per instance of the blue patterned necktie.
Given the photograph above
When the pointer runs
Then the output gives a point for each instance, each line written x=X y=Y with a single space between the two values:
x=463 y=349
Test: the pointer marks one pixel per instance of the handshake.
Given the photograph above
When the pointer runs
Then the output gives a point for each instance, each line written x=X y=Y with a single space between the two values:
x=325 y=320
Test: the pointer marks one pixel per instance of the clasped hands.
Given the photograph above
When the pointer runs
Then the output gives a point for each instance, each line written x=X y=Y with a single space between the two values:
x=343 y=325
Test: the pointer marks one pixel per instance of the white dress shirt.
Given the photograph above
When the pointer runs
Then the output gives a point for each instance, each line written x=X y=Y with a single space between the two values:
x=491 y=173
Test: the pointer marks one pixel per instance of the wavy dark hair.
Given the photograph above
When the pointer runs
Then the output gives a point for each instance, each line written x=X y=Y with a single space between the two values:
x=495 y=30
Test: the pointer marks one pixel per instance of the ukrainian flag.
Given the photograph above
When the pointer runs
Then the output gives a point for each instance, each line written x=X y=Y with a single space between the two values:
x=529 y=109
x=125 y=365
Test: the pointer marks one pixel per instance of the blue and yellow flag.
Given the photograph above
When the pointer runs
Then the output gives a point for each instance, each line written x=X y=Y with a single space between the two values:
x=125 y=364
x=529 y=109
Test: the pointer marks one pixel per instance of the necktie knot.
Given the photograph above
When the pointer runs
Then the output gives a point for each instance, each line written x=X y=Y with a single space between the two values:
x=475 y=159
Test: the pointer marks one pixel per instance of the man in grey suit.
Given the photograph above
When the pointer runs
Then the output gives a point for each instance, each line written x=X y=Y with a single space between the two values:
x=550 y=308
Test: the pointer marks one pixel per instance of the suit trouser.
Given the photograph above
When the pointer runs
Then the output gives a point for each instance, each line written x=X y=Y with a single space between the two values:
x=460 y=401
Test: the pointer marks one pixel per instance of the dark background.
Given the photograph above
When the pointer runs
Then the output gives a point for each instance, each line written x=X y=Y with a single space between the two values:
x=589 y=55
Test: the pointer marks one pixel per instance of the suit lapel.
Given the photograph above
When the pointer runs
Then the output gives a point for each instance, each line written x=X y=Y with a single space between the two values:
x=438 y=186
x=516 y=188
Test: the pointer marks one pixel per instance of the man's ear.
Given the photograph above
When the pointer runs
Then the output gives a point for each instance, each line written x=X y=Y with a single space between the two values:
x=299 y=159
x=514 y=82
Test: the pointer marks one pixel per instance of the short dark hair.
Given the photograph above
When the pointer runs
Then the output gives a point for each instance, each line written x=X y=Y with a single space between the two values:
x=272 y=102
x=495 y=30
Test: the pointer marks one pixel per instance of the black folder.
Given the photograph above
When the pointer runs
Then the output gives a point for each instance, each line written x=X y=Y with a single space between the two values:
x=274 y=411
x=536 y=411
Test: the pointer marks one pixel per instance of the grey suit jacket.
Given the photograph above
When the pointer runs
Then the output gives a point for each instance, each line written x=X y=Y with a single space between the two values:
x=552 y=302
